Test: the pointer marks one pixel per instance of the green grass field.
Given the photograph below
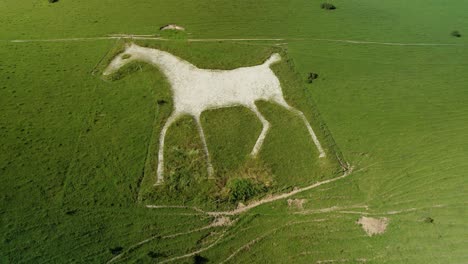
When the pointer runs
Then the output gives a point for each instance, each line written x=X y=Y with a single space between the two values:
x=78 y=153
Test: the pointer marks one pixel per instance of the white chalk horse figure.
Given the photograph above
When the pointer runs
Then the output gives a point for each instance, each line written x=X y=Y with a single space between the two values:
x=196 y=90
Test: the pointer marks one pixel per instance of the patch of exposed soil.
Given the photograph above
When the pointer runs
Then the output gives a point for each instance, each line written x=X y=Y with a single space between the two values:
x=296 y=203
x=172 y=27
x=373 y=226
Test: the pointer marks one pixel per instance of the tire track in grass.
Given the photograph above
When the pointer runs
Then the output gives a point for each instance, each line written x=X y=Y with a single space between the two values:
x=90 y=114
x=218 y=222
x=218 y=214
x=217 y=241
x=266 y=234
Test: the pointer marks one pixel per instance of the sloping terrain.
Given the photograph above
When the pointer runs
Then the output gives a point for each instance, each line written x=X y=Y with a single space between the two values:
x=73 y=147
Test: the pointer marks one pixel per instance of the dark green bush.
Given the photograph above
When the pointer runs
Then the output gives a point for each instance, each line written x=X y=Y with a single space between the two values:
x=197 y=259
x=456 y=34
x=312 y=76
x=53 y=1
x=327 y=6
x=153 y=254
x=241 y=189
x=116 y=250
x=161 y=102
x=429 y=220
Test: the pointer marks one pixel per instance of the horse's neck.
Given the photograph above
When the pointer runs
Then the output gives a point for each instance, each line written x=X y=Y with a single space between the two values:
x=169 y=64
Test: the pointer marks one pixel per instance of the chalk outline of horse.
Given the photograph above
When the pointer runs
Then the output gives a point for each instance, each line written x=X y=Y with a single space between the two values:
x=212 y=89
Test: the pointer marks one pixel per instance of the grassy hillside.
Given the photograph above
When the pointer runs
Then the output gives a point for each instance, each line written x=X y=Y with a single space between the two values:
x=74 y=148
x=399 y=20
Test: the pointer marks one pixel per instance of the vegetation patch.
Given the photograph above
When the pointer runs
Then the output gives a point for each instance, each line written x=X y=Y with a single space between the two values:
x=456 y=34
x=250 y=181
x=311 y=77
x=116 y=250
x=429 y=220
x=328 y=6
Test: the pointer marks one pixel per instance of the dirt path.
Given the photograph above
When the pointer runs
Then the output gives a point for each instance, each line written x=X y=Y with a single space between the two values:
x=152 y=37
x=345 y=210
x=350 y=41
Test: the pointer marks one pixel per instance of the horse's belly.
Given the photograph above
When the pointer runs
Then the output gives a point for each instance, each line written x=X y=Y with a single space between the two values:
x=216 y=90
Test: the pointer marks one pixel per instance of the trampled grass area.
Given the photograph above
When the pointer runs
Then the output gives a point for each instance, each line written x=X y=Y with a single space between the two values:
x=74 y=148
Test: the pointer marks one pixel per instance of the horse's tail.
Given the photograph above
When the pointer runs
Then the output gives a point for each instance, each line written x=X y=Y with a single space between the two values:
x=275 y=57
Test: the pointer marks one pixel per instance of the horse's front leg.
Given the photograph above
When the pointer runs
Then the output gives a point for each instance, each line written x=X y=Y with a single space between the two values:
x=261 y=137
x=205 y=146
x=162 y=136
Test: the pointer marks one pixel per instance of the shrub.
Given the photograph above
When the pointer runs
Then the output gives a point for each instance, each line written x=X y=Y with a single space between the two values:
x=161 y=102
x=197 y=259
x=116 y=250
x=53 y=1
x=181 y=174
x=71 y=212
x=429 y=220
x=456 y=34
x=312 y=76
x=241 y=189
x=327 y=6
x=153 y=254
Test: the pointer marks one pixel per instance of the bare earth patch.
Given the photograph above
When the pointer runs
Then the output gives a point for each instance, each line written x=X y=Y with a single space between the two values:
x=373 y=226
x=172 y=27
x=221 y=221
x=296 y=203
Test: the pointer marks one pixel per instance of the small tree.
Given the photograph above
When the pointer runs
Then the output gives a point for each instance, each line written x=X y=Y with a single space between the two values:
x=312 y=76
x=197 y=259
x=428 y=220
x=327 y=6
x=116 y=250
x=153 y=254
x=161 y=102
x=241 y=189
x=456 y=34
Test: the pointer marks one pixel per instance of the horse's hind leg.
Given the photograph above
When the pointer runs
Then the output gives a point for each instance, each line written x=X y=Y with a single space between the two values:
x=261 y=137
x=162 y=136
x=283 y=103
x=205 y=147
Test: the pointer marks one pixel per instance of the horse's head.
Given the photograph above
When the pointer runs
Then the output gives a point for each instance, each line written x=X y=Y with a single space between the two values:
x=120 y=60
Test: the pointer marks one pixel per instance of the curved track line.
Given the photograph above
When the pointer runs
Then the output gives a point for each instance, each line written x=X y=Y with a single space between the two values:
x=350 y=41
x=343 y=210
x=176 y=207
x=250 y=243
x=131 y=248
x=268 y=233
x=196 y=252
